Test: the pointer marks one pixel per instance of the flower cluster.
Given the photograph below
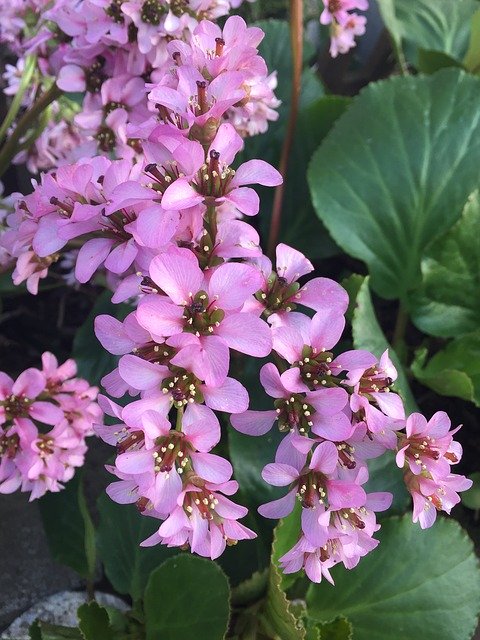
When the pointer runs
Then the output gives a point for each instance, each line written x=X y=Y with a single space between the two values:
x=113 y=51
x=339 y=411
x=344 y=25
x=165 y=222
x=45 y=417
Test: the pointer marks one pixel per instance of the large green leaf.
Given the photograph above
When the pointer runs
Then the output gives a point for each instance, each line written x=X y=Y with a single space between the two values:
x=384 y=475
x=187 y=597
x=92 y=359
x=127 y=565
x=367 y=334
x=68 y=527
x=278 y=617
x=448 y=303
x=396 y=170
x=438 y=25
x=94 y=623
x=417 y=584
x=453 y=371
x=472 y=57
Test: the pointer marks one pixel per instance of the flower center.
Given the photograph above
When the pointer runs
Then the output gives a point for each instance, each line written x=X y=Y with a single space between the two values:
x=163 y=175
x=312 y=489
x=9 y=445
x=152 y=12
x=315 y=366
x=45 y=445
x=213 y=179
x=278 y=296
x=16 y=407
x=111 y=106
x=374 y=381
x=171 y=452
x=204 y=501
x=114 y=11
x=184 y=388
x=202 y=316
x=153 y=352
x=94 y=75
x=105 y=138
x=294 y=413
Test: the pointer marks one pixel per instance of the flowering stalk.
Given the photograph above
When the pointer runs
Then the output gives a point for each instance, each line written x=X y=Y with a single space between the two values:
x=157 y=207
x=296 y=36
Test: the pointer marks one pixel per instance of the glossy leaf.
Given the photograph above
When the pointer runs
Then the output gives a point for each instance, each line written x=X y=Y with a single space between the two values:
x=338 y=629
x=416 y=584
x=448 y=302
x=94 y=622
x=471 y=497
x=453 y=371
x=278 y=617
x=64 y=525
x=127 y=564
x=441 y=25
x=395 y=172
x=472 y=57
x=187 y=597
x=384 y=475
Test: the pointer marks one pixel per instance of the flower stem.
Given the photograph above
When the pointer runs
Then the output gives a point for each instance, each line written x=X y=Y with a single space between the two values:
x=296 y=35
x=29 y=119
x=30 y=65
x=178 y=424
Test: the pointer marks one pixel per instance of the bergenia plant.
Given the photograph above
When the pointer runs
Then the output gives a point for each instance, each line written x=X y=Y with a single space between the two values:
x=241 y=387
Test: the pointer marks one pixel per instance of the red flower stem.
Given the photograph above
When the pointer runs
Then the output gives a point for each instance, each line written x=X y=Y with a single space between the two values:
x=296 y=35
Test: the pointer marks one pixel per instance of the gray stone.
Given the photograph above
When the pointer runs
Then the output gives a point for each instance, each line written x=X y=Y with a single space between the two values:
x=27 y=571
x=60 y=608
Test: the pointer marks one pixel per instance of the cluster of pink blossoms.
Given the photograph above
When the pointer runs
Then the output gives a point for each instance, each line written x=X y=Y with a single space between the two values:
x=45 y=417
x=344 y=25
x=113 y=51
x=122 y=212
x=165 y=222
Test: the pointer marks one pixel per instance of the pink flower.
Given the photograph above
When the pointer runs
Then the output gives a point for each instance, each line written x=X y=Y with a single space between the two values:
x=321 y=411
x=428 y=446
x=338 y=10
x=281 y=292
x=207 y=309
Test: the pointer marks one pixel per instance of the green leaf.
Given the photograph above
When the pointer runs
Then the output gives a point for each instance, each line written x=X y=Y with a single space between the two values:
x=453 y=371
x=286 y=535
x=432 y=61
x=250 y=590
x=338 y=629
x=120 y=532
x=395 y=171
x=187 y=597
x=367 y=334
x=64 y=527
x=438 y=25
x=416 y=584
x=92 y=360
x=472 y=57
x=277 y=615
x=471 y=497
x=384 y=475
x=34 y=632
x=94 y=622
x=45 y=631
x=448 y=302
